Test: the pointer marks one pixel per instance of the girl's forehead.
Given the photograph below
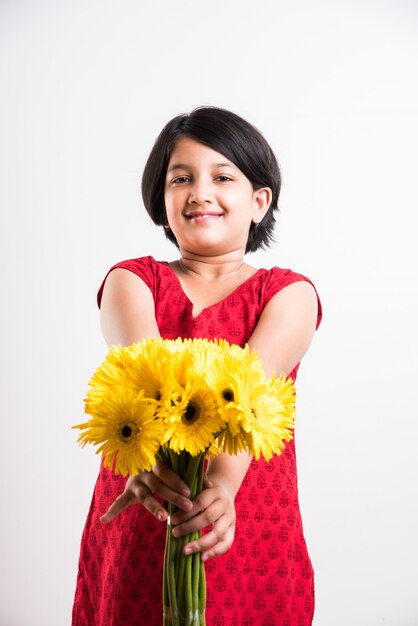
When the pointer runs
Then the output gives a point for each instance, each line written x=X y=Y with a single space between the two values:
x=188 y=151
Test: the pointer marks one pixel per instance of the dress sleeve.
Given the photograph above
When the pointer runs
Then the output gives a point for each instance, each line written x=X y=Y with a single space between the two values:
x=142 y=267
x=279 y=278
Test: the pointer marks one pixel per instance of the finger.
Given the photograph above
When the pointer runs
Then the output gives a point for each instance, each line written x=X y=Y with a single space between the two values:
x=215 y=548
x=218 y=534
x=153 y=506
x=207 y=484
x=220 y=548
x=155 y=485
x=136 y=496
x=122 y=502
x=170 y=478
x=200 y=503
x=197 y=519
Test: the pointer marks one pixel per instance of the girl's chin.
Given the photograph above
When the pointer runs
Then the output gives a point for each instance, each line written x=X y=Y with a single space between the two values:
x=207 y=245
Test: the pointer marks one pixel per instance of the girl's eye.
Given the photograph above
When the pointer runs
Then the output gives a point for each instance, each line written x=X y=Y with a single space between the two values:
x=181 y=179
x=223 y=178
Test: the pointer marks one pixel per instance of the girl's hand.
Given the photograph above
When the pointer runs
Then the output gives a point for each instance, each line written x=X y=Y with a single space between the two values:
x=139 y=489
x=213 y=506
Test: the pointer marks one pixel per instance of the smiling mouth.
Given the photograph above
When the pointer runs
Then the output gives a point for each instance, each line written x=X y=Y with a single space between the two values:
x=204 y=217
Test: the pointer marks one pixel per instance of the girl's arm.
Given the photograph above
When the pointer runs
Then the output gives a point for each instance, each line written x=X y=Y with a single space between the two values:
x=127 y=309
x=281 y=338
x=127 y=315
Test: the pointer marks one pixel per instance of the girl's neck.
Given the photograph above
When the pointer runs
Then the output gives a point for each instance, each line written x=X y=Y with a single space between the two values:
x=211 y=268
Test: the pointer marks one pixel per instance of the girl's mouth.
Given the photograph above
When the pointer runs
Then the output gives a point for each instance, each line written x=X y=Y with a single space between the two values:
x=202 y=216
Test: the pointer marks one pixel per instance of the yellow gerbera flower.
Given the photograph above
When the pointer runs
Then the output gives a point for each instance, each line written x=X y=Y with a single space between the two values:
x=185 y=393
x=144 y=346
x=127 y=429
x=204 y=354
x=111 y=372
x=192 y=418
x=235 y=376
x=235 y=403
x=270 y=420
x=233 y=371
x=188 y=355
x=150 y=370
x=213 y=450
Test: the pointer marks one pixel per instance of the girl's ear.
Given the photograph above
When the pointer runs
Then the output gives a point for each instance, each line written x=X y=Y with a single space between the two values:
x=262 y=201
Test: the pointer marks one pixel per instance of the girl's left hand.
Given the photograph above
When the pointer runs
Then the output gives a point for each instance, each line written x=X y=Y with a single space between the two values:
x=213 y=506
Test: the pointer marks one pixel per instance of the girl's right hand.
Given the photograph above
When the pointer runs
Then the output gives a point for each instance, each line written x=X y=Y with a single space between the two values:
x=139 y=489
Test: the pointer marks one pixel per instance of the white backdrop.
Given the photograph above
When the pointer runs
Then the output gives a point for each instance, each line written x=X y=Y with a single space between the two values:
x=85 y=88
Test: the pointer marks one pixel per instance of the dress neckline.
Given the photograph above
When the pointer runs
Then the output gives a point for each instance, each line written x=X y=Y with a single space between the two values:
x=191 y=304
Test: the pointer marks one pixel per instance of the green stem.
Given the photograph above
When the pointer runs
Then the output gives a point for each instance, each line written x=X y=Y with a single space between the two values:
x=202 y=591
x=166 y=597
x=200 y=474
x=184 y=592
x=196 y=580
x=171 y=554
x=182 y=566
x=174 y=460
x=198 y=564
x=188 y=589
x=192 y=469
x=196 y=488
x=171 y=574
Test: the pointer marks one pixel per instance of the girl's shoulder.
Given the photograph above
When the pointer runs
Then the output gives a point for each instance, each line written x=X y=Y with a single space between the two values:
x=146 y=267
x=277 y=278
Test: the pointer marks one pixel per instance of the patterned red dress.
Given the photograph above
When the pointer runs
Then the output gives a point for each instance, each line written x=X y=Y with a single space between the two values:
x=266 y=579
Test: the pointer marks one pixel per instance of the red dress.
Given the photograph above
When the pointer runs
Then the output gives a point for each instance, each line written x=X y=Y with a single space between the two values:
x=266 y=578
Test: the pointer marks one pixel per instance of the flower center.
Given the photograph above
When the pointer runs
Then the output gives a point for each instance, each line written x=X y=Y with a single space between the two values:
x=192 y=412
x=228 y=395
x=158 y=395
x=127 y=432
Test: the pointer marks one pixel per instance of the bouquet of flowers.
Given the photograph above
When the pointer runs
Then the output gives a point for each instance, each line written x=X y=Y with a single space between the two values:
x=181 y=401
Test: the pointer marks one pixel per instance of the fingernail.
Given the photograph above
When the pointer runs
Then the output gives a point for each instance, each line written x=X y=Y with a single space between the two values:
x=186 y=492
x=161 y=516
x=188 y=550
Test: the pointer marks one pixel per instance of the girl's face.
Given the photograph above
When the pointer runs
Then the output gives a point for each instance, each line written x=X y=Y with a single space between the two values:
x=210 y=204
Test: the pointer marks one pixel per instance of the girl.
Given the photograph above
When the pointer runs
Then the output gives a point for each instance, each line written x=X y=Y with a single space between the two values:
x=212 y=182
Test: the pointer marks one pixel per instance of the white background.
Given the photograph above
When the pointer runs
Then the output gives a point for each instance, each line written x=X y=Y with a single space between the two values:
x=85 y=89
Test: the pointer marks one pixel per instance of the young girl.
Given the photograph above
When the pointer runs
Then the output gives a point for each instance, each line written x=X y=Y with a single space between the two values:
x=212 y=182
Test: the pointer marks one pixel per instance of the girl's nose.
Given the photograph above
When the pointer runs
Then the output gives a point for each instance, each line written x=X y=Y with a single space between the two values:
x=200 y=193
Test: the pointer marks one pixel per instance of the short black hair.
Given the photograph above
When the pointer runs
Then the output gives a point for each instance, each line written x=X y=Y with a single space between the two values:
x=230 y=135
